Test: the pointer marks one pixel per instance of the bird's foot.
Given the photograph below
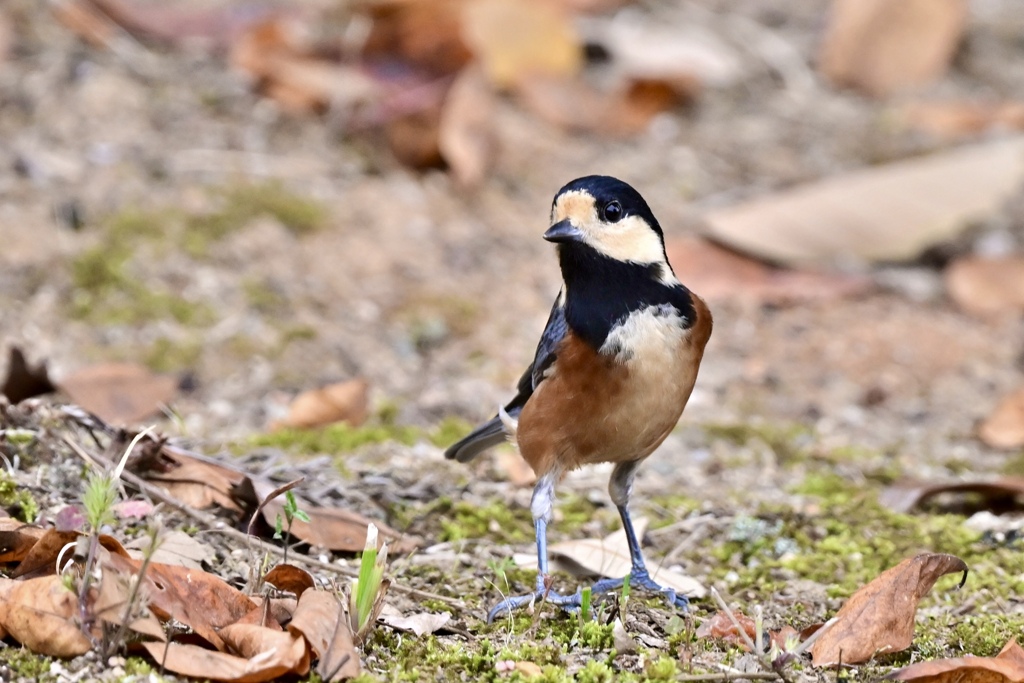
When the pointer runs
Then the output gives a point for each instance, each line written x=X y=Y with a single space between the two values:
x=641 y=579
x=570 y=603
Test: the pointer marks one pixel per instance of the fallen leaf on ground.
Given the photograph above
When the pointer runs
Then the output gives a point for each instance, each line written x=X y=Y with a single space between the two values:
x=720 y=627
x=290 y=579
x=466 y=136
x=17 y=539
x=119 y=393
x=515 y=40
x=201 y=601
x=610 y=557
x=339 y=402
x=197 y=483
x=24 y=380
x=879 y=46
x=204 y=664
x=331 y=528
x=1004 y=428
x=425 y=35
x=718 y=274
x=1005 y=667
x=987 y=286
x=174 y=547
x=420 y=623
x=880 y=616
x=321 y=618
x=283 y=67
x=1001 y=495
x=259 y=642
x=41 y=614
x=887 y=213
x=950 y=120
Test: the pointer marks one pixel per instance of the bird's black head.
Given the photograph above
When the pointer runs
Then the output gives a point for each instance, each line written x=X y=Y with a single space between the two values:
x=607 y=216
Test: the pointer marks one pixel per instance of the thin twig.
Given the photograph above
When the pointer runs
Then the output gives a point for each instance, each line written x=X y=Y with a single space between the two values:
x=216 y=524
x=761 y=657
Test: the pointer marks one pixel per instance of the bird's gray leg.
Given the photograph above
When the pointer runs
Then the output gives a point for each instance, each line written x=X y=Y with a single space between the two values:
x=619 y=487
x=540 y=506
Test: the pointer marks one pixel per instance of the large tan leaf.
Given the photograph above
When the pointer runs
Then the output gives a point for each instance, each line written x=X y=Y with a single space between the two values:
x=41 y=614
x=1005 y=667
x=517 y=39
x=880 y=616
x=888 y=213
x=120 y=393
x=203 y=664
x=321 y=618
x=1004 y=428
x=339 y=402
x=880 y=46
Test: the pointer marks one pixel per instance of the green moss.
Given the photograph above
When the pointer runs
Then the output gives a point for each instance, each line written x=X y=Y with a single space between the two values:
x=336 y=438
x=663 y=668
x=495 y=521
x=19 y=662
x=789 y=442
x=18 y=502
x=985 y=636
x=450 y=430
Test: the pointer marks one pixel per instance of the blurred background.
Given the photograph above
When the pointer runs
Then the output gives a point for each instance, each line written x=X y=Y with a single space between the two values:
x=215 y=206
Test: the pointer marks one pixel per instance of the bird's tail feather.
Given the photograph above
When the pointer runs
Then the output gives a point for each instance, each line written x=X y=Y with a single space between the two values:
x=489 y=434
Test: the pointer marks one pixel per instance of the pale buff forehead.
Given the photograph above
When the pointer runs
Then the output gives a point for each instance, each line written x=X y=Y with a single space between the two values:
x=577 y=206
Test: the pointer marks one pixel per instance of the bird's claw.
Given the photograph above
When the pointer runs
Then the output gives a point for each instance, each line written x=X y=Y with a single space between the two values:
x=643 y=580
x=570 y=603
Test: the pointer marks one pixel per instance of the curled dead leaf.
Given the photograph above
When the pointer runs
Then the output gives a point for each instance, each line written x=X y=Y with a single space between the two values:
x=1005 y=667
x=119 y=393
x=880 y=616
x=340 y=402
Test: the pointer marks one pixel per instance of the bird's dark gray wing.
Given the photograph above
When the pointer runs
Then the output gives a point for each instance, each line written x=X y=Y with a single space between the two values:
x=492 y=432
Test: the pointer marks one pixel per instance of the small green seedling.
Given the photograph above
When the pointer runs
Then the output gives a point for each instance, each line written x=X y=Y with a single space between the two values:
x=369 y=589
x=585 y=612
x=291 y=513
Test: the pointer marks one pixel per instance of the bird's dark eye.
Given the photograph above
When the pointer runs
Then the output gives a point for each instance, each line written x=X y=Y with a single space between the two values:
x=612 y=212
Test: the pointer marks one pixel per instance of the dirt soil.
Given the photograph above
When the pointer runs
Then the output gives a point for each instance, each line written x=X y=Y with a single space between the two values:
x=437 y=295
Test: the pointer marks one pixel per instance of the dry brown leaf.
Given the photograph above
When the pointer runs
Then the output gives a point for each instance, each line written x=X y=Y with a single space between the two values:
x=880 y=616
x=202 y=601
x=174 y=547
x=197 y=483
x=41 y=615
x=198 y=662
x=880 y=46
x=272 y=53
x=626 y=108
x=321 y=618
x=420 y=623
x=1001 y=495
x=289 y=578
x=987 y=286
x=24 y=380
x=332 y=528
x=951 y=120
x=42 y=557
x=888 y=213
x=610 y=557
x=339 y=402
x=1005 y=667
x=425 y=35
x=111 y=606
x=17 y=539
x=1004 y=428
x=466 y=135
x=289 y=650
x=720 y=627
x=717 y=274
x=119 y=393
x=516 y=40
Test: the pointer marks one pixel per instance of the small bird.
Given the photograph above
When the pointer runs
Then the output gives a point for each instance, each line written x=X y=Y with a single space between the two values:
x=613 y=370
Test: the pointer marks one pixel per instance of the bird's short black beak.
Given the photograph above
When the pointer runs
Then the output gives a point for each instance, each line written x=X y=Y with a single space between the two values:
x=563 y=231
